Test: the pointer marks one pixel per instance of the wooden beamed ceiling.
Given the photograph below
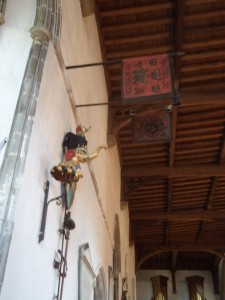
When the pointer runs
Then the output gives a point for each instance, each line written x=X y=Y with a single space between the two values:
x=175 y=190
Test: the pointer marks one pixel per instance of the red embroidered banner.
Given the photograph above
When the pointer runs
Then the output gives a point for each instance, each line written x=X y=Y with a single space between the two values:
x=154 y=127
x=147 y=77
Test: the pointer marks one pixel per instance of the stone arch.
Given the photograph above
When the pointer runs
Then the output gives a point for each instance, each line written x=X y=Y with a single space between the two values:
x=100 y=287
x=47 y=26
x=86 y=275
x=116 y=257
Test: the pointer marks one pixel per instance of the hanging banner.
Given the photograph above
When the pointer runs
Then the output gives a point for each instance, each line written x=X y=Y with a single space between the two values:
x=146 y=78
x=155 y=127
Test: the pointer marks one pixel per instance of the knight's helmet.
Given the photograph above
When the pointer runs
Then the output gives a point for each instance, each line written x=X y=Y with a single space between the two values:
x=74 y=141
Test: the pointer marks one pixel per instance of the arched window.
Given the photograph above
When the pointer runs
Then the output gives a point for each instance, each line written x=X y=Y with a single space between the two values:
x=195 y=285
x=160 y=297
x=87 y=278
x=159 y=284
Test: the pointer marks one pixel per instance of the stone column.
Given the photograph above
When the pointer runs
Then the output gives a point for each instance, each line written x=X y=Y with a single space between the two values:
x=2 y=11
x=46 y=27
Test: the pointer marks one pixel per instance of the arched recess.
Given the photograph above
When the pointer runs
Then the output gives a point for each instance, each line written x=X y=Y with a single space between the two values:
x=195 y=286
x=2 y=10
x=100 y=286
x=116 y=257
x=125 y=282
x=152 y=253
x=47 y=27
x=86 y=275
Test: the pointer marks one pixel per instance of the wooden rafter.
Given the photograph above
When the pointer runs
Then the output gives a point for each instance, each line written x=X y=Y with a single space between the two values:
x=212 y=193
x=183 y=245
x=193 y=215
x=214 y=184
x=173 y=270
x=178 y=37
x=136 y=39
x=176 y=171
x=215 y=275
x=134 y=10
x=222 y=152
x=201 y=231
x=139 y=24
x=167 y=227
x=173 y=141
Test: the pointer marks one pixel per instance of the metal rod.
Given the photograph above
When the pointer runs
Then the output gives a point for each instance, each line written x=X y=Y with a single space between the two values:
x=112 y=62
x=62 y=231
x=93 y=104
x=44 y=213
x=63 y=275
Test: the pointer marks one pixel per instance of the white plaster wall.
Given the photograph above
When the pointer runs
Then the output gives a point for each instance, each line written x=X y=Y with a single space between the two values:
x=15 y=44
x=80 y=36
x=30 y=265
x=144 y=285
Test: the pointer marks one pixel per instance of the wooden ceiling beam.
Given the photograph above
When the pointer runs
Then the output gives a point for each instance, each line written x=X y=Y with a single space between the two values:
x=177 y=171
x=211 y=65
x=120 y=54
x=201 y=231
x=173 y=141
x=195 y=2
x=189 y=98
x=209 y=204
x=187 y=216
x=222 y=152
x=199 y=30
x=135 y=25
x=135 y=10
x=203 y=44
x=136 y=39
x=169 y=197
x=178 y=38
x=202 y=77
x=212 y=193
x=208 y=207
x=197 y=248
x=173 y=270
x=182 y=245
x=205 y=15
x=215 y=53
x=166 y=238
x=215 y=275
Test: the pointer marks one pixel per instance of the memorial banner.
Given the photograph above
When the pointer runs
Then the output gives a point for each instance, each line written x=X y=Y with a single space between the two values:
x=146 y=78
x=155 y=127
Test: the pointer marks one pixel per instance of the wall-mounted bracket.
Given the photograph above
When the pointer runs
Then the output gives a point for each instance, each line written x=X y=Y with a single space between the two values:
x=45 y=210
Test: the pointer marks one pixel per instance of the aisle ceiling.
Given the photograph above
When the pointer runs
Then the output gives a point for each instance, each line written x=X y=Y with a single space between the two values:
x=175 y=190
